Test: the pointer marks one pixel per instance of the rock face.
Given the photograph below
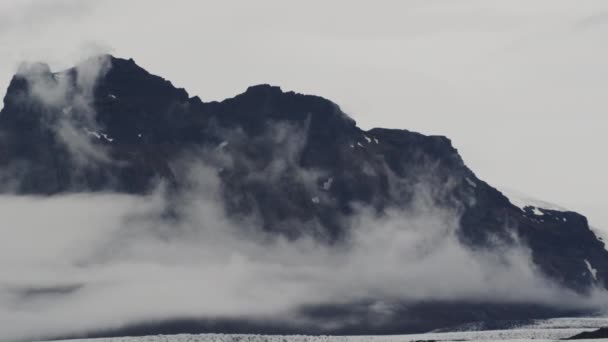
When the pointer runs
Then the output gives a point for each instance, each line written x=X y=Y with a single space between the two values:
x=599 y=334
x=122 y=129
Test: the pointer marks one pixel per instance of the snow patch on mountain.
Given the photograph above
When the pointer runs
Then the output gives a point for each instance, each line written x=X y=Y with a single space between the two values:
x=327 y=183
x=98 y=135
x=105 y=136
x=592 y=270
x=522 y=201
x=93 y=133
x=537 y=211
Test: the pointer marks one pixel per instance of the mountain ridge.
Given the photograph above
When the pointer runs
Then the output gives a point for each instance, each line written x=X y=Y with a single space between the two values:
x=168 y=112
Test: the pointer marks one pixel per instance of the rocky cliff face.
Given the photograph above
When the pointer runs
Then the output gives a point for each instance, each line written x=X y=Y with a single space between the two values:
x=109 y=125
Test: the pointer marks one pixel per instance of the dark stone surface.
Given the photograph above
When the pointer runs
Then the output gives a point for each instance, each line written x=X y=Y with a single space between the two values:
x=601 y=333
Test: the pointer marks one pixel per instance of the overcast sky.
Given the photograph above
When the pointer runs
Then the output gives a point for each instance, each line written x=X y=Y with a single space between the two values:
x=519 y=86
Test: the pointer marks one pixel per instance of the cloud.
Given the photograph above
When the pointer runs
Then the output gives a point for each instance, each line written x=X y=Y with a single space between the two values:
x=28 y=14
x=79 y=262
x=66 y=101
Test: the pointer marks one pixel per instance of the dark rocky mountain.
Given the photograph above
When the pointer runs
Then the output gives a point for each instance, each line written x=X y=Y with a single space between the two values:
x=125 y=132
x=599 y=334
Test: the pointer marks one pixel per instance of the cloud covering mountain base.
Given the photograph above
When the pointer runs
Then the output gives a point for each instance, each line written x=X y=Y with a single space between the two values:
x=80 y=262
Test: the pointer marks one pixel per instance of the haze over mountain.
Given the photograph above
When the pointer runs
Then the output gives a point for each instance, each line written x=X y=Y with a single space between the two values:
x=133 y=205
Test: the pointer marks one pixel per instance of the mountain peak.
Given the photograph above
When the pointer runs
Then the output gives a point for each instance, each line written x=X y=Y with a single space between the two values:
x=264 y=89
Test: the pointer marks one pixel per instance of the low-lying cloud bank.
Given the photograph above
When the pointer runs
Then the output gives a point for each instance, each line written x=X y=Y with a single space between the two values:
x=79 y=262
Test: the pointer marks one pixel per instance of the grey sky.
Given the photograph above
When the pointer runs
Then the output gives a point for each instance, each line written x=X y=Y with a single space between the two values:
x=519 y=86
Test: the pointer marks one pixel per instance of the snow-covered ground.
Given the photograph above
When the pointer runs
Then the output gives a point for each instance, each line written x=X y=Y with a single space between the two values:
x=499 y=335
x=540 y=330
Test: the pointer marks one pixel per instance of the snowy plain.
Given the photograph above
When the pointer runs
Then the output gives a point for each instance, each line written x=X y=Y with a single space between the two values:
x=536 y=330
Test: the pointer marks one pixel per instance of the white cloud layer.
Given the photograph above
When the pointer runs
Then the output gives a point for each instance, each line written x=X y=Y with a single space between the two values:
x=77 y=262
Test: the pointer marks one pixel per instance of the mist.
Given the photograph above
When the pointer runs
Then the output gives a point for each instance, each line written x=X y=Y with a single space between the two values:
x=88 y=261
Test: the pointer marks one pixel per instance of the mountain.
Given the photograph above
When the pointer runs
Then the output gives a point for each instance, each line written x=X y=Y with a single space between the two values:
x=601 y=333
x=109 y=125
